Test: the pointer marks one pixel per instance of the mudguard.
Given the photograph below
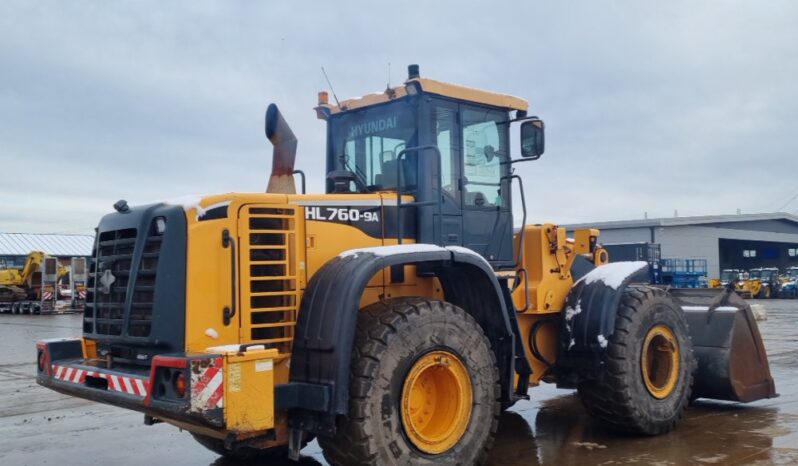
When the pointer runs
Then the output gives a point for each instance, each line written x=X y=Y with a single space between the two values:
x=590 y=312
x=319 y=383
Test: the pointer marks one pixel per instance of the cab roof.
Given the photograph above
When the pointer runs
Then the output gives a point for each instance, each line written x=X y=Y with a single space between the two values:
x=454 y=91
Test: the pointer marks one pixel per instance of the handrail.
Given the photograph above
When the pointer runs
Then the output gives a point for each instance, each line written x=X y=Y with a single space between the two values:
x=229 y=312
x=399 y=226
x=523 y=219
x=302 y=177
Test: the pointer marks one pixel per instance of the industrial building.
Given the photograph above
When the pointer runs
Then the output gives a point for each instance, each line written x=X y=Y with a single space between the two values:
x=741 y=241
x=14 y=247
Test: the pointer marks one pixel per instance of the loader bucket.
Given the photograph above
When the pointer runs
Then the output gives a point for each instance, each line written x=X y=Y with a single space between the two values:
x=732 y=363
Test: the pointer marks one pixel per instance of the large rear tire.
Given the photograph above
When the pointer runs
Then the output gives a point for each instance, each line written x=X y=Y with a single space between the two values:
x=647 y=369
x=424 y=388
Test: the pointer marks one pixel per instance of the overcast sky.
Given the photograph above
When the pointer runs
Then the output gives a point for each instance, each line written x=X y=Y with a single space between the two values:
x=650 y=106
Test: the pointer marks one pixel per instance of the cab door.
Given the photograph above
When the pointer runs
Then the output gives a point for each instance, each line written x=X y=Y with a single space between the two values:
x=446 y=133
x=487 y=214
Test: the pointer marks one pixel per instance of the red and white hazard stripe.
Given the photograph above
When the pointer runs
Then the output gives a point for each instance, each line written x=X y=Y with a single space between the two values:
x=47 y=295
x=82 y=294
x=207 y=387
x=119 y=383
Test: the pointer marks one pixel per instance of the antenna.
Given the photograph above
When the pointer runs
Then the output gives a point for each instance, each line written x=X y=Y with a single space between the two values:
x=331 y=88
x=388 y=86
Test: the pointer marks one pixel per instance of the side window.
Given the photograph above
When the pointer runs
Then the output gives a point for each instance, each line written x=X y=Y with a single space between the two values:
x=484 y=148
x=445 y=132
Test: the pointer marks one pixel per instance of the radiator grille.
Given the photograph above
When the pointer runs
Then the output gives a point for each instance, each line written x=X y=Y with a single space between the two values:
x=270 y=277
x=113 y=312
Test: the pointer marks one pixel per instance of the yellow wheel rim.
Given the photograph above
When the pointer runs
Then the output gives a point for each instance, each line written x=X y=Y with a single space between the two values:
x=660 y=361
x=436 y=402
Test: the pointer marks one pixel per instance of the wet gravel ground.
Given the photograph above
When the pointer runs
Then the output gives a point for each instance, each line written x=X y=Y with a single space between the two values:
x=42 y=427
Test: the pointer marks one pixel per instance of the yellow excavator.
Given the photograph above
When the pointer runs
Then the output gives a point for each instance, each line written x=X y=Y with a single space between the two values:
x=19 y=292
x=395 y=315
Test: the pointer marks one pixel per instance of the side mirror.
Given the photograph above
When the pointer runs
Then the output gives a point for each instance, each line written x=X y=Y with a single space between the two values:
x=532 y=139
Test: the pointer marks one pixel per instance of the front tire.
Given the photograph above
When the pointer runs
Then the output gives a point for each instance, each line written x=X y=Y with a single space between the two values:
x=424 y=388
x=646 y=375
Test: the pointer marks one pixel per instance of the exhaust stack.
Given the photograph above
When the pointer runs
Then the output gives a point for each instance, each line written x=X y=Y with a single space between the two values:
x=282 y=138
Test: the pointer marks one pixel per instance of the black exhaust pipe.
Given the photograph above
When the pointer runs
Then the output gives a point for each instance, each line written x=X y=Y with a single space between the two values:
x=282 y=138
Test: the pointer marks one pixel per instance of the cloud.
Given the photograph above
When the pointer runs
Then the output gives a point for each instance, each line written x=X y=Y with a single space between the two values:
x=649 y=108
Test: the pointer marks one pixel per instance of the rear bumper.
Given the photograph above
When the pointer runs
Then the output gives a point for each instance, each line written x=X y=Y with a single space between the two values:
x=63 y=368
x=227 y=392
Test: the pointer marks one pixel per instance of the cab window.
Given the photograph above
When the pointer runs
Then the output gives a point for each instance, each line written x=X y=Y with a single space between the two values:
x=484 y=148
x=446 y=139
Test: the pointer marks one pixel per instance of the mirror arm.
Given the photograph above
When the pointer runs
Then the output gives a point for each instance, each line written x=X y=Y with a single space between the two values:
x=525 y=159
x=516 y=120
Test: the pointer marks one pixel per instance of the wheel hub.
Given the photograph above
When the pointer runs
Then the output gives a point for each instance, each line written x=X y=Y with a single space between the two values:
x=660 y=361
x=436 y=402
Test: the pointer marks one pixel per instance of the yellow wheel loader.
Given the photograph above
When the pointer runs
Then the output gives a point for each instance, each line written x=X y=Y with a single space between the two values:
x=394 y=316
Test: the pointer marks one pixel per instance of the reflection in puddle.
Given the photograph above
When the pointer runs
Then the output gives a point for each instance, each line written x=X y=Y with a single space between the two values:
x=558 y=431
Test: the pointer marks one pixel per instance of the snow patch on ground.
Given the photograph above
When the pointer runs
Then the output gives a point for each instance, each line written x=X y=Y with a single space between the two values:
x=613 y=274
x=602 y=341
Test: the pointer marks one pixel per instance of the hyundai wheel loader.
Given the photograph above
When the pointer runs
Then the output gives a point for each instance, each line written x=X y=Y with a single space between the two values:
x=395 y=315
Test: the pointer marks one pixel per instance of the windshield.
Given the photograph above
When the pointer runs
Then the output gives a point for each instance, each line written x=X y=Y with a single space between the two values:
x=728 y=275
x=367 y=142
x=762 y=274
x=792 y=273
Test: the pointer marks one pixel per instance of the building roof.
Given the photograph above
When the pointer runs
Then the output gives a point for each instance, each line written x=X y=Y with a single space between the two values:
x=20 y=244
x=684 y=221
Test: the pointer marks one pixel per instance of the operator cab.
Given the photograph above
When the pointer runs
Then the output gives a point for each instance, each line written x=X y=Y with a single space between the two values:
x=445 y=145
x=764 y=274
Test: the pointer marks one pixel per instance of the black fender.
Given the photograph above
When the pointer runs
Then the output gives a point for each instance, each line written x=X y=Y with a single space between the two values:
x=590 y=311
x=318 y=389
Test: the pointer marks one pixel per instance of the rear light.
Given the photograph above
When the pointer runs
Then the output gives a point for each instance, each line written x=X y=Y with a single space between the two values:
x=40 y=361
x=180 y=385
x=168 y=379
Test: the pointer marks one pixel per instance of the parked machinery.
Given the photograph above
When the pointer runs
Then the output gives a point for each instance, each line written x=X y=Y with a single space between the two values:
x=728 y=277
x=684 y=273
x=789 y=283
x=397 y=314
x=33 y=287
x=763 y=283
